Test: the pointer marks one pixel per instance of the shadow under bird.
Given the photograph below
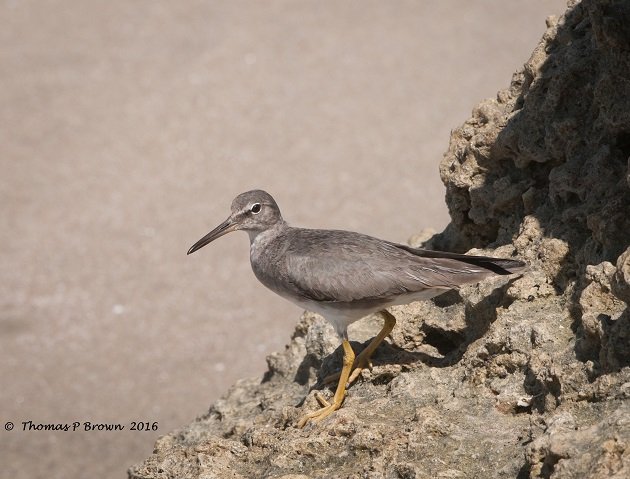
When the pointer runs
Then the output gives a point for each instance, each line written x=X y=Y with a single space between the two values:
x=345 y=276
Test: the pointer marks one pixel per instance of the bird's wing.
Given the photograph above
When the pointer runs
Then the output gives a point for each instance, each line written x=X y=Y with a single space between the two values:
x=341 y=266
x=500 y=266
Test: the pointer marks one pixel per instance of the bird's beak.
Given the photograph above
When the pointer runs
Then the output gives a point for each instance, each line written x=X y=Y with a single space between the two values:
x=224 y=228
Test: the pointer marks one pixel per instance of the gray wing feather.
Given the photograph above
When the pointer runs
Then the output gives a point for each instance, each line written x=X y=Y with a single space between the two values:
x=341 y=266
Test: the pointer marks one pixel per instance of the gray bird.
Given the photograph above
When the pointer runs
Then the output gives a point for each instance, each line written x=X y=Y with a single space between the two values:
x=345 y=276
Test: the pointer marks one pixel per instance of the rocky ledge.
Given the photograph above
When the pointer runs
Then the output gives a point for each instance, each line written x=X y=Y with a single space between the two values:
x=518 y=377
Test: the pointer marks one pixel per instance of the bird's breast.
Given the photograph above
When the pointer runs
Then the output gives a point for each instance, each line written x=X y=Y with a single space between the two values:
x=266 y=260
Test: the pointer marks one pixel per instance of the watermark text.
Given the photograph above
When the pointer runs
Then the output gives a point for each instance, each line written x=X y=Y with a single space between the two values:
x=86 y=426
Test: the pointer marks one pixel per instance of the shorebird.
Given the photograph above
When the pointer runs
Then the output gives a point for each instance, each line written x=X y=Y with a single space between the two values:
x=344 y=276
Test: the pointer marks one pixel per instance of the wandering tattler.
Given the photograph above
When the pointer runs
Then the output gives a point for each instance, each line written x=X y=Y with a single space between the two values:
x=345 y=276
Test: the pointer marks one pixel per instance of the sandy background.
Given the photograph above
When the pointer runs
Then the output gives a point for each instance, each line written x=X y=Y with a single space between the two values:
x=126 y=128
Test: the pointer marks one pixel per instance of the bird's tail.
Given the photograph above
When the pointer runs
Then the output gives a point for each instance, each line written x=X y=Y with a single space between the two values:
x=496 y=265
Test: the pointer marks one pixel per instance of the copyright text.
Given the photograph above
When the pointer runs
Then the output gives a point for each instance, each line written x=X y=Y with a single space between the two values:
x=90 y=426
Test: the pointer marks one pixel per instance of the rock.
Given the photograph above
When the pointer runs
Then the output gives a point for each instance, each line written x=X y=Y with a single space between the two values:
x=514 y=377
x=567 y=450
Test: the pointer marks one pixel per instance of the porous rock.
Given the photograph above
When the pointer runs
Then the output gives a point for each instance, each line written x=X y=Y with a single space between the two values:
x=515 y=377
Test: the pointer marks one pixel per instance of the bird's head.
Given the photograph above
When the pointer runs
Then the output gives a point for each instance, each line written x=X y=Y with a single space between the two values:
x=253 y=211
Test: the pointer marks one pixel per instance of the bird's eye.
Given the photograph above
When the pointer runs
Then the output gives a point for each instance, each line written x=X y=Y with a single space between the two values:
x=256 y=208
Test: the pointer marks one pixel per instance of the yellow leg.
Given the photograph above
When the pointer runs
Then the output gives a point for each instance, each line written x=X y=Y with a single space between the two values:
x=363 y=359
x=340 y=393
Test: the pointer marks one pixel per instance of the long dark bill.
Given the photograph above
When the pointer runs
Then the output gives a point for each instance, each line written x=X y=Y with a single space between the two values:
x=219 y=231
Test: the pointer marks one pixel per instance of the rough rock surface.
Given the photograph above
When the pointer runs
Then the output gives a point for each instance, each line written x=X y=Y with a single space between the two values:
x=514 y=377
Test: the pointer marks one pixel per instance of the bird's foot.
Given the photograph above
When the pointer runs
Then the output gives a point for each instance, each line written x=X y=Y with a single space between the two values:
x=327 y=409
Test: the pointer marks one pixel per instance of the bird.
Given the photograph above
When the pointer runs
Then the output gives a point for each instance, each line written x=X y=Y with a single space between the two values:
x=345 y=276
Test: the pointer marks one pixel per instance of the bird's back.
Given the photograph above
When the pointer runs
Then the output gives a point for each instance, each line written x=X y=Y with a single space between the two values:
x=336 y=266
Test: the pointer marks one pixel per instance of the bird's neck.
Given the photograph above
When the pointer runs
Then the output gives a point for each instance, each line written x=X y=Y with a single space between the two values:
x=258 y=238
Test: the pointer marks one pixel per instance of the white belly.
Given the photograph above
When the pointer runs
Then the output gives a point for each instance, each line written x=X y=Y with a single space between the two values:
x=342 y=315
